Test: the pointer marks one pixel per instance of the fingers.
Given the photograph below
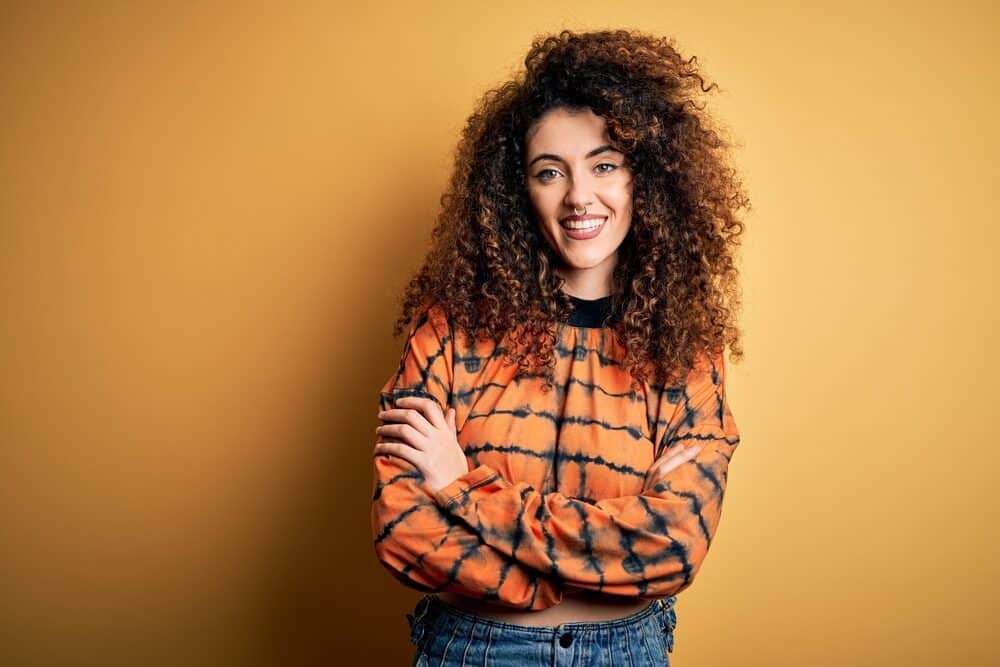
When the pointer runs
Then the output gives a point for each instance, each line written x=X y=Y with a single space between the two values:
x=669 y=461
x=407 y=416
x=403 y=432
x=399 y=449
x=427 y=407
x=677 y=453
x=408 y=426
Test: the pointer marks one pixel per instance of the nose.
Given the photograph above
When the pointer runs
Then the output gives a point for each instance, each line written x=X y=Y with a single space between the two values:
x=578 y=195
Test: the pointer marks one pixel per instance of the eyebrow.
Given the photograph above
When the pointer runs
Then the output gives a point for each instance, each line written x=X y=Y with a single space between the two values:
x=596 y=151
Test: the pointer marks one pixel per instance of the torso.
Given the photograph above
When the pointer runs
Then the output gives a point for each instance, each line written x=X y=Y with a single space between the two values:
x=575 y=606
x=548 y=451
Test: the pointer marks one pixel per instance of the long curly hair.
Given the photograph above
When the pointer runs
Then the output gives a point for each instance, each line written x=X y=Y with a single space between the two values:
x=675 y=293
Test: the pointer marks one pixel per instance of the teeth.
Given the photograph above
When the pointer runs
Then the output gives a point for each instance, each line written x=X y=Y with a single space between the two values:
x=583 y=224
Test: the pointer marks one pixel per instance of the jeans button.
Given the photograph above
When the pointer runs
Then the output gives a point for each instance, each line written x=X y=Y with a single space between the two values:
x=566 y=640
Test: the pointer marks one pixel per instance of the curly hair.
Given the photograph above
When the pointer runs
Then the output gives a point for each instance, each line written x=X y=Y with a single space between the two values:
x=675 y=293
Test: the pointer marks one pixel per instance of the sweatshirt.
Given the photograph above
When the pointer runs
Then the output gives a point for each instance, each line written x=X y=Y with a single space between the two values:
x=554 y=497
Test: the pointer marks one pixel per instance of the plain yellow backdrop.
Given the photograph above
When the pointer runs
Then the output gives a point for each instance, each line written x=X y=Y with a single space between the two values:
x=206 y=215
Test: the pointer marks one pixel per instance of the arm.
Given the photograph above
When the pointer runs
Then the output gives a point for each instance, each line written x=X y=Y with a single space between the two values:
x=649 y=545
x=421 y=545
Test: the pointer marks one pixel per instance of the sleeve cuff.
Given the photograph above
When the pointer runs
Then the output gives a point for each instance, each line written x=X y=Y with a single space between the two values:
x=465 y=483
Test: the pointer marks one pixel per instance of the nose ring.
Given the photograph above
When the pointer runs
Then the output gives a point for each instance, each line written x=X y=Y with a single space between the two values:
x=580 y=212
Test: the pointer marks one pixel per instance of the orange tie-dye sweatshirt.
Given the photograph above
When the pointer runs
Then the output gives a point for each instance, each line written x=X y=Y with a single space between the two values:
x=553 y=499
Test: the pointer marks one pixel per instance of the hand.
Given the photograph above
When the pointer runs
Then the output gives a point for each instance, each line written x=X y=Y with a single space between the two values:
x=667 y=462
x=425 y=437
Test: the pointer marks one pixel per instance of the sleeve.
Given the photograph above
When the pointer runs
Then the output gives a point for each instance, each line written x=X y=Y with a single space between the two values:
x=421 y=545
x=649 y=545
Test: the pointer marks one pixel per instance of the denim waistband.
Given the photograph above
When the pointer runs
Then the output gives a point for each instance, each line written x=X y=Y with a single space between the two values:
x=430 y=607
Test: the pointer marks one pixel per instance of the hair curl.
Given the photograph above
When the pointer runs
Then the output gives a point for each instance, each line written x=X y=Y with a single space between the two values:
x=675 y=292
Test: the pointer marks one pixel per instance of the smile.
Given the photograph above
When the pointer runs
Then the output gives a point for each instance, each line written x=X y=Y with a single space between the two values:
x=583 y=229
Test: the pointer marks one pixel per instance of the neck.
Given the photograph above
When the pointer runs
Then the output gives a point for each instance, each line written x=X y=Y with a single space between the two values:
x=590 y=283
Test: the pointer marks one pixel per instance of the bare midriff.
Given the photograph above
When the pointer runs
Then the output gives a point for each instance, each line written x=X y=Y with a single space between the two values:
x=576 y=606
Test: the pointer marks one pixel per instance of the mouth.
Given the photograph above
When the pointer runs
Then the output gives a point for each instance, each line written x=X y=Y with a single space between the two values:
x=581 y=230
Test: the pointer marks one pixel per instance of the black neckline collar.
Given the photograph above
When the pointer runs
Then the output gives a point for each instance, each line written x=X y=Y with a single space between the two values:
x=590 y=313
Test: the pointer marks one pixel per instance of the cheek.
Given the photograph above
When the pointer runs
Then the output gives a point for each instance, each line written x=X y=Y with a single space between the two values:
x=546 y=210
x=623 y=206
x=542 y=203
x=543 y=220
x=624 y=196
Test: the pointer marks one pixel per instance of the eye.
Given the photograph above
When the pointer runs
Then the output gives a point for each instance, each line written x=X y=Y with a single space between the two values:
x=607 y=164
x=542 y=177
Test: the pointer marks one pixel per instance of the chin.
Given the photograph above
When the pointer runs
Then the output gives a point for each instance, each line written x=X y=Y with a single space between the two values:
x=580 y=264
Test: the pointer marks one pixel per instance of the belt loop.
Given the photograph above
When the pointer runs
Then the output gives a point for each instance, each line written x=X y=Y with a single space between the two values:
x=668 y=619
x=671 y=613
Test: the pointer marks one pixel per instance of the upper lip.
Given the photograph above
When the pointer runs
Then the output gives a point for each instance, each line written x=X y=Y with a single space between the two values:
x=589 y=216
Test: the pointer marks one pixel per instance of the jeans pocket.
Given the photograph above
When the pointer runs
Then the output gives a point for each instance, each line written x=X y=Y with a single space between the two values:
x=420 y=659
x=418 y=623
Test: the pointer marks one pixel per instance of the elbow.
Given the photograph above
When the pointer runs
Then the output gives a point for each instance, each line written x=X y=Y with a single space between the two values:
x=687 y=554
x=392 y=553
x=402 y=568
x=695 y=552
x=385 y=554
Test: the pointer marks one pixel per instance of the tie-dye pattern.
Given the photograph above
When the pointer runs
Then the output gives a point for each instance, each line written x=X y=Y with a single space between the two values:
x=554 y=496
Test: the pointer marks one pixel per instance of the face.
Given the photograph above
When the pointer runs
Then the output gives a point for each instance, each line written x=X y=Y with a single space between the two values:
x=570 y=164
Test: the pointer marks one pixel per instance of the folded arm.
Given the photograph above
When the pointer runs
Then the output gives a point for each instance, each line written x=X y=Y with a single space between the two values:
x=418 y=542
x=647 y=545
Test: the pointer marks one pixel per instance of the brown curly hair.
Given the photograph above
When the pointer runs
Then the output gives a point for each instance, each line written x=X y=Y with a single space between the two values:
x=675 y=293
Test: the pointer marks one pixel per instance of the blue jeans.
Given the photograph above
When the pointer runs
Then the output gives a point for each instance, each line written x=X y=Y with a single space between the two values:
x=446 y=636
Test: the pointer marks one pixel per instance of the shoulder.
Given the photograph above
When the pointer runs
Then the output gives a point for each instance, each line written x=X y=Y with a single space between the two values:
x=431 y=321
x=708 y=370
x=436 y=314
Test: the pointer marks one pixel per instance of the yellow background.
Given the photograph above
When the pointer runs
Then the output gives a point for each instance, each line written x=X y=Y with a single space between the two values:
x=206 y=215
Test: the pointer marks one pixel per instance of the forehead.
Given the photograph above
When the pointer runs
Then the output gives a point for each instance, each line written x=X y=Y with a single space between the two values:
x=567 y=132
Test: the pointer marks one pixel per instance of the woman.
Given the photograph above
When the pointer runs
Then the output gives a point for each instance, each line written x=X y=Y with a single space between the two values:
x=555 y=443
